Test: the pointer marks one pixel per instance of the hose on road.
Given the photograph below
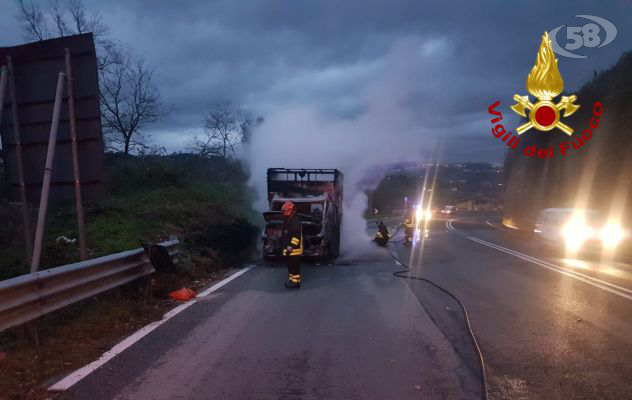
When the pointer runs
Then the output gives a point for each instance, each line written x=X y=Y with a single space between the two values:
x=400 y=274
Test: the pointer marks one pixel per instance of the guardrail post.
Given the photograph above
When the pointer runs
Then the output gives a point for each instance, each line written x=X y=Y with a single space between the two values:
x=145 y=287
x=32 y=333
x=28 y=297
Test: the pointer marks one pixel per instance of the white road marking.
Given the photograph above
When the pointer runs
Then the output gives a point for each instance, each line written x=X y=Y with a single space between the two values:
x=496 y=226
x=607 y=286
x=225 y=281
x=74 y=377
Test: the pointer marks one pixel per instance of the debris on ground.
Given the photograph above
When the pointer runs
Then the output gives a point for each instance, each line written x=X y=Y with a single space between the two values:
x=184 y=294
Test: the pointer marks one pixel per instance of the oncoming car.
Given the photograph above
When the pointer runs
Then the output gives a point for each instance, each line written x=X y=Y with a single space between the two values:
x=448 y=210
x=421 y=214
x=578 y=230
x=417 y=223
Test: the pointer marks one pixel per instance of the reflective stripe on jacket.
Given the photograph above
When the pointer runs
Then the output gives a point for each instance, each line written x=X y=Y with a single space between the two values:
x=297 y=243
x=293 y=236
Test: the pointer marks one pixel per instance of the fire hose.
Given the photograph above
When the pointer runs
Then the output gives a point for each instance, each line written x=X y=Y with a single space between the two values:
x=401 y=274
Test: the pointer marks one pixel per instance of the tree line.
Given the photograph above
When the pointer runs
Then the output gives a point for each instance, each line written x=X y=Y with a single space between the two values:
x=130 y=99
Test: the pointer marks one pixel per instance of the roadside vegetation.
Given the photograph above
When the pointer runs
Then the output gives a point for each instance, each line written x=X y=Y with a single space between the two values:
x=201 y=198
x=204 y=202
x=149 y=198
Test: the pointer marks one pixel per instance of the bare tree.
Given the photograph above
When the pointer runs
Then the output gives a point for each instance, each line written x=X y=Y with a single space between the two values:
x=247 y=125
x=33 y=20
x=129 y=98
x=61 y=18
x=225 y=126
x=129 y=101
x=57 y=14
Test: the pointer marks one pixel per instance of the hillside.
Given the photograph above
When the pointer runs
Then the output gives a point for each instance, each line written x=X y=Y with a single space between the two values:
x=598 y=175
x=200 y=201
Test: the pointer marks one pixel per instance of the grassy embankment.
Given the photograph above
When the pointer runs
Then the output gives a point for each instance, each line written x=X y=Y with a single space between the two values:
x=202 y=202
x=205 y=204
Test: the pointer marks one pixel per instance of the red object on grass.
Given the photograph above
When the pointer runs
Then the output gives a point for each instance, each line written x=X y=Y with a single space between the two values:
x=183 y=294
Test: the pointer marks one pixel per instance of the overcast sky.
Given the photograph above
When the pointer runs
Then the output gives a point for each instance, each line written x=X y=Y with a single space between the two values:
x=443 y=62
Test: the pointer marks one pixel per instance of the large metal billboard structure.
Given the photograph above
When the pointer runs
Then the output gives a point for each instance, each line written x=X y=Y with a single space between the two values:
x=38 y=118
x=35 y=69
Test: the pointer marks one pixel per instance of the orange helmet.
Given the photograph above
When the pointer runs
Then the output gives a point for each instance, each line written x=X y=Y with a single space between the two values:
x=288 y=209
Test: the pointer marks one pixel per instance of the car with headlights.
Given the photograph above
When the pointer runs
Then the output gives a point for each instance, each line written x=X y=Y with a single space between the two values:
x=578 y=230
x=421 y=214
x=417 y=222
x=448 y=210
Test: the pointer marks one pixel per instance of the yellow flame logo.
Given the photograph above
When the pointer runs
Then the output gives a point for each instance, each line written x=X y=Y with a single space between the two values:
x=545 y=81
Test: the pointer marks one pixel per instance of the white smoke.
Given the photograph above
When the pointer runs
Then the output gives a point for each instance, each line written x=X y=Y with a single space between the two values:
x=387 y=131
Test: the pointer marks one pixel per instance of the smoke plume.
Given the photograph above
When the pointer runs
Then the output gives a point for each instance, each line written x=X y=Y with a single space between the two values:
x=300 y=136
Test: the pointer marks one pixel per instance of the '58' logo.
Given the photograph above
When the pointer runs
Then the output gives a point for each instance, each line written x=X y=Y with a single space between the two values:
x=584 y=36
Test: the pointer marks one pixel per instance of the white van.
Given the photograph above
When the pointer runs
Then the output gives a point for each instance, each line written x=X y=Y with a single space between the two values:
x=576 y=229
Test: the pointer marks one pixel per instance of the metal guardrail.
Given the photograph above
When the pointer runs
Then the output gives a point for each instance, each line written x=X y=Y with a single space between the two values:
x=28 y=297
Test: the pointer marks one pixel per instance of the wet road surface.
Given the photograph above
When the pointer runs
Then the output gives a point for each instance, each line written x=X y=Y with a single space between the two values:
x=354 y=331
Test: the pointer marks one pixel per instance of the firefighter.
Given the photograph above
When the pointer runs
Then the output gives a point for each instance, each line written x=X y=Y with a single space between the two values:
x=382 y=235
x=409 y=226
x=292 y=244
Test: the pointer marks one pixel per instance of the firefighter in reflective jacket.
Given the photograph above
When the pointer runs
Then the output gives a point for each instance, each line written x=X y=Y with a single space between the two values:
x=409 y=227
x=292 y=244
x=382 y=235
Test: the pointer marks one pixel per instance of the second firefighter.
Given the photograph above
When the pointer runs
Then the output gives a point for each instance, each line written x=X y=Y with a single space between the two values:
x=292 y=244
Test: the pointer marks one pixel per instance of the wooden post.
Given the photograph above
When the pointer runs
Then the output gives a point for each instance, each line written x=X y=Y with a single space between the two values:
x=28 y=239
x=83 y=253
x=48 y=172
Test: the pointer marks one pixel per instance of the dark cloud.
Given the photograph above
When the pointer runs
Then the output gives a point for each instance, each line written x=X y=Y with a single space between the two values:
x=443 y=61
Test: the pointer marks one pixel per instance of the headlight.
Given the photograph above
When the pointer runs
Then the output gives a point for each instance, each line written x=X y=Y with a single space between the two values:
x=428 y=214
x=575 y=232
x=419 y=215
x=611 y=235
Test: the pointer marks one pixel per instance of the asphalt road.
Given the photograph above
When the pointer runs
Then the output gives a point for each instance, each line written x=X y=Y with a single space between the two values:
x=546 y=333
x=355 y=331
